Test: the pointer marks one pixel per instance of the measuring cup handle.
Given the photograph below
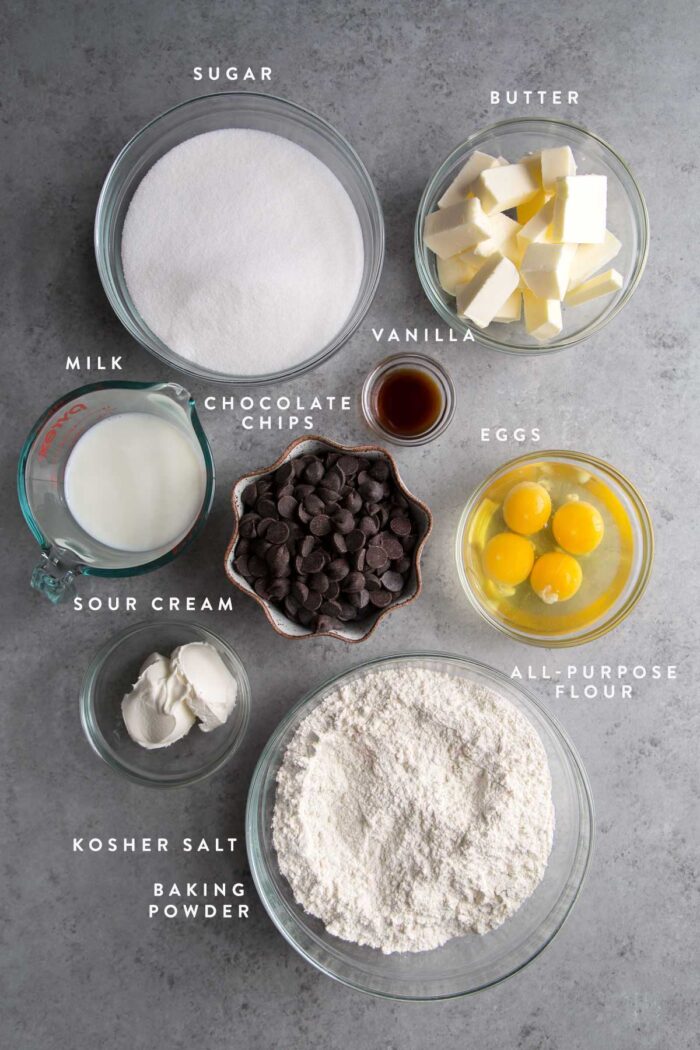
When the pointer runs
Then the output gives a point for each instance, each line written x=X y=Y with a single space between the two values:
x=53 y=578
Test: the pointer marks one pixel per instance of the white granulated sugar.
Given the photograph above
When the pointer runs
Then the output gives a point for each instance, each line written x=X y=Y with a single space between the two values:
x=242 y=252
x=412 y=807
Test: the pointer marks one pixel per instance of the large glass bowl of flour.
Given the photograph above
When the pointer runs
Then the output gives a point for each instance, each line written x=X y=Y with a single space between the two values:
x=464 y=964
x=239 y=238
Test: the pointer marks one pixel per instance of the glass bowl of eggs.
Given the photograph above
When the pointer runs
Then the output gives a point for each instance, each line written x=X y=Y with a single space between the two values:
x=532 y=234
x=555 y=548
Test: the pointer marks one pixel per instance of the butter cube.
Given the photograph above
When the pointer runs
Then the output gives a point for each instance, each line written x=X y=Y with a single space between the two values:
x=557 y=163
x=580 y=203
x=505 y=187
x=461 y=185
x=546 y=268
x=533 y=162
x=538 y=228
x=590 y=258
x=542 y=316
x=503 y=229
x=482 y=298
x=529 y=208
x=458 y=269
x=604 y=284
x=511 y=309
x=451 y=230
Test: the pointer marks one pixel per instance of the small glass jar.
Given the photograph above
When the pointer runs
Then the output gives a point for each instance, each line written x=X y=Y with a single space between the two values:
x=436 y=376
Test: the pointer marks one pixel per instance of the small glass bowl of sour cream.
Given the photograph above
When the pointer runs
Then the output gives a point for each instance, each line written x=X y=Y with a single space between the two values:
x=111 y=674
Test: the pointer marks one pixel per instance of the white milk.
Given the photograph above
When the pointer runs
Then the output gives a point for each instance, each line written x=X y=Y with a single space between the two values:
x=135 y=482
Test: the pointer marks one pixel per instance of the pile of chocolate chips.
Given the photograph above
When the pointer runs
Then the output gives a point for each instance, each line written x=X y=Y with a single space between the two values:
x=326 y=538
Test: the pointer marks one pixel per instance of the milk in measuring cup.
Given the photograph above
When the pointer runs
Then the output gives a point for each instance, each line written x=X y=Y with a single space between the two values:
x=135 y=482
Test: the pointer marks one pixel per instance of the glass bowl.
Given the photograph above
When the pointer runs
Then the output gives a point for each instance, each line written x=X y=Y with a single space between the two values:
x=414 y=362
x=232 y=109
x=641 y=560
x=114 y=669
x=627 y=219
x=465 y=964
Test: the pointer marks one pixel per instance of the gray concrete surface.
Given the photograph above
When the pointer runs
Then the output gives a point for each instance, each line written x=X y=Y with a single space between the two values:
x=82 y=966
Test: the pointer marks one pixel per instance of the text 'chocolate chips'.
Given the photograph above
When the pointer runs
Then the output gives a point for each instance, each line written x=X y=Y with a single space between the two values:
x=326 y=538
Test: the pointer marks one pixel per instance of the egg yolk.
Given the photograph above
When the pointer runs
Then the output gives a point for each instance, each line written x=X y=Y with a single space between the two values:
x=527 y=507
x=508 y=559
x=578 y=527
x=556 y=577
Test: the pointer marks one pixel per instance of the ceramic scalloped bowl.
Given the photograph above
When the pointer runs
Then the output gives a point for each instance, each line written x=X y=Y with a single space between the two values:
x=352 y=632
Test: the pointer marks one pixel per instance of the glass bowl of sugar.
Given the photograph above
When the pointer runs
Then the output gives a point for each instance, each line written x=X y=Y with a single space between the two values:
x=239 y=238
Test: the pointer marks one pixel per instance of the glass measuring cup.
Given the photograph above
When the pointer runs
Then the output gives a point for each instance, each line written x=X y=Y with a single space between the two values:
x=67 y=550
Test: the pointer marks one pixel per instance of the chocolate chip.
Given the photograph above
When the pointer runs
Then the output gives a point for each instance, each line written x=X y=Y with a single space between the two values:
x=380 y=470
x=266 y=507
x=320 y=525
x=348 y=465
x=329 y=496
x=360 y=599
x=291 y=606
x=372 y=582
x=355 y=540
x=303 y=514
x=393 y=581
x=390 y=544
x=277 y=532
x=313 y=562
x=300 y=591
x=334 y=479
x=313 y=601
x=353 y=502
x=400 y=526
x=347 y=611
x=344 y=521
x=284 y=473
x=337 y=569
x=403 y=565
x=354 y=581
x=256 y=566
x=287 y=506
x=331 y=608
x=249 y=495
x=377 y=557
x=240 y=564
x=278 y=559
x=338 y=543
x=279 y=589
x=249 y=525
x=264 y=525
x=314 y=471
x=333 y=589
x=359 y=559
x=368 y=525
x=260 y=587
x=319 y=581
x=381 y=598
x=307 y=545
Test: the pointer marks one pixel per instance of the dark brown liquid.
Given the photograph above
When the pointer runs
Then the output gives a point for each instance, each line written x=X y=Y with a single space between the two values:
x=408 y=402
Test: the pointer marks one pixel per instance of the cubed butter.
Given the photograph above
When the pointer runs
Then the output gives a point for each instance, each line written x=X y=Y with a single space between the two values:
x=505 y=187
x=542 y=316
x=604 y=284
x=451 y=230
x=545 y=269
x=557 y=163
x=486 y=294
x=458 y=269
x=529 y=208
x=533 y=161
x=503 y=229
x=511 y=309
x=460 y=186
x=580 y=203
x=590 y=258
x=539 y=228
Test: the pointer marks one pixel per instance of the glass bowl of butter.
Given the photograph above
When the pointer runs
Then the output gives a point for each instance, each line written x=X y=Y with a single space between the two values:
x=532 y=234
x=165 y=703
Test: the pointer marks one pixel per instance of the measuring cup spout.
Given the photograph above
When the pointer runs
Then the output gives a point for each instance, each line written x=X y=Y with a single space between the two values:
x=54 y=576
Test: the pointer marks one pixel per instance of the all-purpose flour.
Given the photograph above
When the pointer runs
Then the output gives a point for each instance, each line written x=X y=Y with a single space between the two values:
x=242 y=251
x=413 y=807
